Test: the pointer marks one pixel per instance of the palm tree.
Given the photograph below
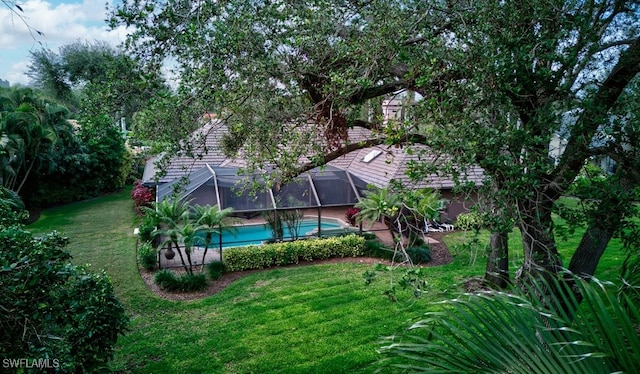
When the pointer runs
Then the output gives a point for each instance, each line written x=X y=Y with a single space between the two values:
x=408 y=208
x=30 y=126
x=10 y=146
x=517 y=332
x=379 y=204
x=188 y=236
x=9 y=200
x=170 y=214
x=425 y=203
x=39 y=149
x=213 y=221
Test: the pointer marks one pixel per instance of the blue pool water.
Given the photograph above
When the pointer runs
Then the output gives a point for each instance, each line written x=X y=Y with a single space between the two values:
x=259 y=233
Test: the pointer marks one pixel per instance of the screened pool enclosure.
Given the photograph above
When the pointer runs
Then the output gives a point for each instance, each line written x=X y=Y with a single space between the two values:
x=249 y=195
x=227 y=188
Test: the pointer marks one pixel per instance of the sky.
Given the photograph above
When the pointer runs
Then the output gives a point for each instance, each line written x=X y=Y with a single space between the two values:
x=61 y=22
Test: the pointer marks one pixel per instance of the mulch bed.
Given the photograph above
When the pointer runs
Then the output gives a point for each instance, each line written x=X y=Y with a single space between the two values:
x=440 y=255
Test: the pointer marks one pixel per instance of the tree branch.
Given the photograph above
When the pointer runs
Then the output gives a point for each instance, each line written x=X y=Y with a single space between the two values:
x=365 y=94
x=593 y=116
x=616 y=43
x=351 y=147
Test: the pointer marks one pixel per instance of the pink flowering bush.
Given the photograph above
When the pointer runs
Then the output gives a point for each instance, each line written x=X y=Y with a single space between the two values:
x=141 y=196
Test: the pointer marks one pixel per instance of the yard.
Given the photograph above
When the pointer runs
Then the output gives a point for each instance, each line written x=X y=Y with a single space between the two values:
x=320 y=318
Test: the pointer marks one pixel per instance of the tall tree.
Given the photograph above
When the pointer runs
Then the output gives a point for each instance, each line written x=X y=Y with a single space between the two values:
x=497 y=82
x=554 y=69
x=92 y=75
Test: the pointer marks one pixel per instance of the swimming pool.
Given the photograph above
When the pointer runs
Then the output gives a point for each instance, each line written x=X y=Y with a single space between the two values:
x=259 y=233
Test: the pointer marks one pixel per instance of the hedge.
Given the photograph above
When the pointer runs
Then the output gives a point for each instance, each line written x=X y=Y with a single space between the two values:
x=285 y=253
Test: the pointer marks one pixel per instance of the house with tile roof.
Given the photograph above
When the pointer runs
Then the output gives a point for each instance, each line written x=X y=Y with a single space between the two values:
x=373 y=166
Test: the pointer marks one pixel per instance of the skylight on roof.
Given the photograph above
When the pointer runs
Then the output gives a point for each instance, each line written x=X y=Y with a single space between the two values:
x=371 y=155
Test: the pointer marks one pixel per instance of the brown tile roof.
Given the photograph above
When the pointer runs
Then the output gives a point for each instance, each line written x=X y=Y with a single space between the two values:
x=390 y=164
x=206 y=150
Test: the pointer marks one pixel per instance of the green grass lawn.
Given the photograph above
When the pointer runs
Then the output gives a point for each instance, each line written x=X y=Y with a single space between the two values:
x=310 y=319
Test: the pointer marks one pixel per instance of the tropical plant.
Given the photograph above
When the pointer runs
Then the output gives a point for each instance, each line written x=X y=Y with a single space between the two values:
x=379 y=204
x=424 y=203
x=215 y=269
x=629 y=292
x=350 y=215
x=11 y=144
x=147 y=256
x=401 y=210
x=30 y=129
x=212 y=221
x=189 y=237
x=170 y=214
x=518 y=332
x=9 y=200
x=168 y=281
x=64 y=167
x=419 y=255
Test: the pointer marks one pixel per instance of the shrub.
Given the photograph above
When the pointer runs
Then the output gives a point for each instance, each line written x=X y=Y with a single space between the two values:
x=350 y=215
x=369 y=236
x=375 y=248
x=141 y=196
x=147 y=256
x=145 y=232
x=192 y=282
x=147 y=226
x=215 y=269
x=419 y=255
x=168 y=281
x=469 y=221
x=165 y=279
x=268 y=255
x=53 y=308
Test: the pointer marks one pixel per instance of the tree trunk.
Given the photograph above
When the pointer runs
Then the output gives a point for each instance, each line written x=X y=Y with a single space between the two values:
x=187 y=251
x=586 y=257
x=26 y=174
x=206 y=248
x=184 y=264
x=541 y=257
x=497 y=271
x=387 y=222
x=610 y=212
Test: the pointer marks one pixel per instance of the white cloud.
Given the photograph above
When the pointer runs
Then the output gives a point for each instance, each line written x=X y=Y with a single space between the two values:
x=60 y=22
x=17 y=73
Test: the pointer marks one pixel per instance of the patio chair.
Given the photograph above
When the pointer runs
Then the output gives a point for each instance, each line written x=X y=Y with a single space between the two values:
x=431 y=227
x=447 y=226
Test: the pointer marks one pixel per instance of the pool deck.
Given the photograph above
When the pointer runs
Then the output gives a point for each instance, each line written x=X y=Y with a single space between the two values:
x=213 y=254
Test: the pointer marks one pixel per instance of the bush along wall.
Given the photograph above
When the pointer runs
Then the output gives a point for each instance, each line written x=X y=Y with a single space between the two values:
x=286 y=253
